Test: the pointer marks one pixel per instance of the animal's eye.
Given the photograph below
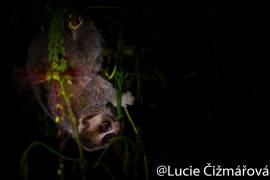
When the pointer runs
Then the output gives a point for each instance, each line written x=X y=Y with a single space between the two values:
x=106 y=127
x=108 y=137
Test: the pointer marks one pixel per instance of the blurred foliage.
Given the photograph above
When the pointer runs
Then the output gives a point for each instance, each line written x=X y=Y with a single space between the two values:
x=195 y=69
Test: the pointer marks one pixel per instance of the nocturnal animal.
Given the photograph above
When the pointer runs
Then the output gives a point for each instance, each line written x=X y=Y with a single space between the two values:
x=93 y=95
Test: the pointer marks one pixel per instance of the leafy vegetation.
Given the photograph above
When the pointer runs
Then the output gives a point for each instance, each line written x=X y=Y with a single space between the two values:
x=197 y=74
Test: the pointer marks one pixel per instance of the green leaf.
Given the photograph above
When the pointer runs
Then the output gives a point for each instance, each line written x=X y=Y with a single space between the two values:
x=192 y=75
x=162 y=78
x=109 y=52
x=129 y=50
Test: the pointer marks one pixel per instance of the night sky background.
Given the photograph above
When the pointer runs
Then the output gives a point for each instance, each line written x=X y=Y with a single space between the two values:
x=213 y=60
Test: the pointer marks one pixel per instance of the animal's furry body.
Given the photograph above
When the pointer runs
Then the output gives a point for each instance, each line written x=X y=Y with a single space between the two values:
x=92 y=93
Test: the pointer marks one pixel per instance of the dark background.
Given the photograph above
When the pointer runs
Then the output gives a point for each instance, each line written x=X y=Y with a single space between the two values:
x=226 y=43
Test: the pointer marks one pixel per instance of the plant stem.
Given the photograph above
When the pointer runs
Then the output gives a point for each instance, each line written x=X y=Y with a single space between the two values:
x=134 y=127
x=132 y=124
x=33 y=144
x=72 y=117
x=105 y=150
x=146 y=168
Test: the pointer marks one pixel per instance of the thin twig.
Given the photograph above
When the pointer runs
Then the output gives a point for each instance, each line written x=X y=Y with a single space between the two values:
x=135 y=129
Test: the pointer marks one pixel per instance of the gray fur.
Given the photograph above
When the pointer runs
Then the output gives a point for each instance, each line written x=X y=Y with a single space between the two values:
x=91 y=92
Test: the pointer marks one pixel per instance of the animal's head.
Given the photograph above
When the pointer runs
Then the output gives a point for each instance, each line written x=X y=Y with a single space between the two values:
x=97 y=128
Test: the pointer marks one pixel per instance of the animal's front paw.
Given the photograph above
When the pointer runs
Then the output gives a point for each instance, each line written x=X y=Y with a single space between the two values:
x=127 y=99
